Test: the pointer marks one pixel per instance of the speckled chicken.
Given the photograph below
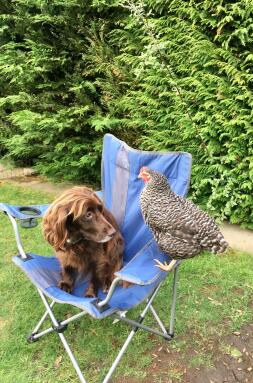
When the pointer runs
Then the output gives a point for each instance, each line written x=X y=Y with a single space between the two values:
x=181 y=229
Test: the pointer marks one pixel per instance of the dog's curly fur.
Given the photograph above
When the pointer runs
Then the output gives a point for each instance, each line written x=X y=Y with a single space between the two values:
x=85 y=237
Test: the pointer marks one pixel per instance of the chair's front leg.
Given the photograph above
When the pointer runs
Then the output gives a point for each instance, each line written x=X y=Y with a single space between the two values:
x=32 y=337
x=62 y=338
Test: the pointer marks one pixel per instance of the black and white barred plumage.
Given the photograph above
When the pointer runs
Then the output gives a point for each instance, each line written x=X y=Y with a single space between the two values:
x=180 y=228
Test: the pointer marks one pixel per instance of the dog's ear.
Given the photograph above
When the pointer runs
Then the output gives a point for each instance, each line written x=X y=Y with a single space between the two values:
x=55 y=226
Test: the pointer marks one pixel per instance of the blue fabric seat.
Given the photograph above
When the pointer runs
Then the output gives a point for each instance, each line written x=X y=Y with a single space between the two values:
x=44 y=272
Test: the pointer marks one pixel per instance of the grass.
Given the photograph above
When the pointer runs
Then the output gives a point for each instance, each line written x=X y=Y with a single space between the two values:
x=214 y=299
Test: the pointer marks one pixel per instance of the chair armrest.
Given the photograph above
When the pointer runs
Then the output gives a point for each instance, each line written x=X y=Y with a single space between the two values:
x=24 y=212
x=28 y=218
x=141 y=270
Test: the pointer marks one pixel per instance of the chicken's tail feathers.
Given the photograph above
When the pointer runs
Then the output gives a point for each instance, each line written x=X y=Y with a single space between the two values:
x=220 y=246
x=214 y=243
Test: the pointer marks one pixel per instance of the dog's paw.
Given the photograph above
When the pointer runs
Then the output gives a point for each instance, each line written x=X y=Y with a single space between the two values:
x=90 y=293
x=65 y=286
x=126 y=284
x=106 y=287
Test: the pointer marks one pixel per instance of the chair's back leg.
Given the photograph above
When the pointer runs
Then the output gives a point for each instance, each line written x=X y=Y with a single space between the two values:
x=160 y=323
x=173 y=304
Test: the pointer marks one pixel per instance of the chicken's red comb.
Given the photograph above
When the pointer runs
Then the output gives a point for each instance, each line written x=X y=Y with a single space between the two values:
x=143 y=169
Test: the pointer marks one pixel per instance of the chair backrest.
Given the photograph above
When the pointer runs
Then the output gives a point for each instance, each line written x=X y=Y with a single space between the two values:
x=122 y=188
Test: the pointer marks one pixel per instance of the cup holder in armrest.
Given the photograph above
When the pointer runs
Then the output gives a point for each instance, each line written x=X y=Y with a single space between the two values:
x=30 y=212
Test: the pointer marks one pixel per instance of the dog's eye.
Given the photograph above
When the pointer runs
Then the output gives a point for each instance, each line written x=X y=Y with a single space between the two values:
x=100 y=208
x=88 y=215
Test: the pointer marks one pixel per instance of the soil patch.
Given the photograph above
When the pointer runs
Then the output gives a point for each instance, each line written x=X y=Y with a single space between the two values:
x=232 y=362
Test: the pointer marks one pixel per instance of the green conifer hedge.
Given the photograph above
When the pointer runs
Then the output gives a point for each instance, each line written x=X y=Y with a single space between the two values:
x=160 y=74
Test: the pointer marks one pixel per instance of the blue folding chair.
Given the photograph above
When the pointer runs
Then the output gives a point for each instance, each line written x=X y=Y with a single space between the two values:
x=121 y=190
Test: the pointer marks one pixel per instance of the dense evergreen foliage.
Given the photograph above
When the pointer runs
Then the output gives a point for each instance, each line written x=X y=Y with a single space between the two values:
x=160 y=74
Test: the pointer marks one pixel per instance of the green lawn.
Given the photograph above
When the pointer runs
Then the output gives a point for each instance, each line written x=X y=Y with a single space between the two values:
x=213 y=299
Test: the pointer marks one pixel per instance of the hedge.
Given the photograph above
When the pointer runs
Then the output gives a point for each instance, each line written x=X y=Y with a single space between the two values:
x=159 y=74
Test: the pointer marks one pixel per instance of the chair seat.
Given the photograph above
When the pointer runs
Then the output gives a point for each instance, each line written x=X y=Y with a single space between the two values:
x=44 y=272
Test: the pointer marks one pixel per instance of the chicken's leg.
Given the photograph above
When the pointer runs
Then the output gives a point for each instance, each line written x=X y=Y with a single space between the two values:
x=165 y=266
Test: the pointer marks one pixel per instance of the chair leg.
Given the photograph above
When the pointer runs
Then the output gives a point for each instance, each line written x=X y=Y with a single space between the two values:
x=119 y=356
x=32 y=337
x=160 y=323
x=173 y=307
x=57 y=326
x=72 y=358
x=61 y=325
x=62 y=338
x=130 y=336
x=173 y=304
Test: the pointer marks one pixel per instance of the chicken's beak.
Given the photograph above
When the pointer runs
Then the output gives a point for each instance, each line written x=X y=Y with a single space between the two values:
x=140 y=176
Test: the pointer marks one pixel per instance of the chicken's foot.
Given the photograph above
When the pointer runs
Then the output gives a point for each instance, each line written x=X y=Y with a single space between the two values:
x=164 y=266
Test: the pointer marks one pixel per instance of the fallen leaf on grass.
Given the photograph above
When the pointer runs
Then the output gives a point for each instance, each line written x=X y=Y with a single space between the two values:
x=235 y=353
x=94 y=331
x=214 y=302
x=57 y=361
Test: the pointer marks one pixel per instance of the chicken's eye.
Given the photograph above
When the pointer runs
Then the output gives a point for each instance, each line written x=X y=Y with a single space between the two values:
x=88 y=215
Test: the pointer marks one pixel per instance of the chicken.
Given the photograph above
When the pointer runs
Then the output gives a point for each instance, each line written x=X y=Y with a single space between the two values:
x=181 y=229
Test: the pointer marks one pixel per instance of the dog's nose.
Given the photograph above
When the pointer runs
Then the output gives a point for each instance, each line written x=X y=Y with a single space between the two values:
x=111 y=232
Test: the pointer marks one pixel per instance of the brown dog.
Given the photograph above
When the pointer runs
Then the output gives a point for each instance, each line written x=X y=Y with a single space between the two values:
x=86 y=239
